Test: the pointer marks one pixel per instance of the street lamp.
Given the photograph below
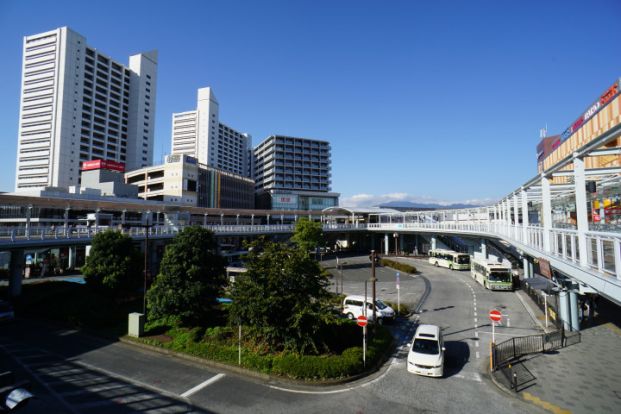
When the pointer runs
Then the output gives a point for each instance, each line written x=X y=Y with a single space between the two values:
x=373 y=280
x=147 y=228
x=396 y=235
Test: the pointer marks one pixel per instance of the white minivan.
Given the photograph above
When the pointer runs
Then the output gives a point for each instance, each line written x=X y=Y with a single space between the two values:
x=353 y=307
x=426 y=356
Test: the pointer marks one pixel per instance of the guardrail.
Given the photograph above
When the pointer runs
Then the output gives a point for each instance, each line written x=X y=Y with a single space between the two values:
x=511 y=350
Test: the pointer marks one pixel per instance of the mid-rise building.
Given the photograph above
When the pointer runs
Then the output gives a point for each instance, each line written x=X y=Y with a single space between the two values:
x=293 y=174
x=183 y=180
x=200 y=134
x=78 y=104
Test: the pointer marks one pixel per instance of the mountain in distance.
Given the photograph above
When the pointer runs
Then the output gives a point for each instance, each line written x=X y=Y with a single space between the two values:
x=399 y=205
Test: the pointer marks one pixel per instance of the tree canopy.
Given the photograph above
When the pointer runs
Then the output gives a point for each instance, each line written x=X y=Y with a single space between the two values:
x=307 y=235
x=282 y=297
x=113 y=263
x=192 y=276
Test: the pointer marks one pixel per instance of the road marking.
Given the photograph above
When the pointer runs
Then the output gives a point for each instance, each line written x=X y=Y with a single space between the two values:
x=476 y=344
x=473 y=376
x=476 y=320
x=544 y=404
x=202 y=385
x=477 y=354
x=476 y=334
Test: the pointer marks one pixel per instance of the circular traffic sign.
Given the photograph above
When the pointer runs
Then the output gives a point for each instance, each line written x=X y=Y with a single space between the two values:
x=495 y=315
x=362 y=320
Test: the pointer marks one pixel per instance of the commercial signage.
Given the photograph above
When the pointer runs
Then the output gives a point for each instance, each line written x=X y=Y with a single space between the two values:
x=597 y=106
x=284 y=201
x=103 y=164
x=544 y=268
x=173 y=158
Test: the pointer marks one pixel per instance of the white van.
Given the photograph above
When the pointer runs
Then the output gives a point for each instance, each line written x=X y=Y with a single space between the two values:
x=353 y=307
x=426 y=356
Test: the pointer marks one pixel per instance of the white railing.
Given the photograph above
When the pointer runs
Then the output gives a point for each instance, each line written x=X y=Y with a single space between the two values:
x=603 y=248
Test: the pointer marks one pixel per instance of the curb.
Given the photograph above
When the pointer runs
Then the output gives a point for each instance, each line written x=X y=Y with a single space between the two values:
x=258 y=375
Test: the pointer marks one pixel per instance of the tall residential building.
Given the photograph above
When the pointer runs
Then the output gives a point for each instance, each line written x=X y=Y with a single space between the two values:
x=78 y=104
x=293 y=174
x=200 y=134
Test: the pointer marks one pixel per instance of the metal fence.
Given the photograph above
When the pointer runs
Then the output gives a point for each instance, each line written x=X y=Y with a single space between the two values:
x=513 y=349
x=548 y=303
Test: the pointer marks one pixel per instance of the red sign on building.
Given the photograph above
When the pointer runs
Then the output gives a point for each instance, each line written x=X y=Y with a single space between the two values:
x=103 y=164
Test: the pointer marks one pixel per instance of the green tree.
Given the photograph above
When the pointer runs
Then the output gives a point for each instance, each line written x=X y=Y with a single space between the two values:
x=192 y=276
x=113 y=263
x=282 y=297
x=307 y=235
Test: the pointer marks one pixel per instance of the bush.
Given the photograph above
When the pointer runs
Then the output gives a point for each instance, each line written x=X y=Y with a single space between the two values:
x=398 y=266
x=404 y=309
x=220 y=344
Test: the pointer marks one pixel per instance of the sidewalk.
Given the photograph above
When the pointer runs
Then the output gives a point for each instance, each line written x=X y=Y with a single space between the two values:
x=582 y=378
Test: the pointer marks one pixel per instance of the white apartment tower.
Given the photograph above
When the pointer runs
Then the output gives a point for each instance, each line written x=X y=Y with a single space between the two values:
x=78 y=104
x=200 y=134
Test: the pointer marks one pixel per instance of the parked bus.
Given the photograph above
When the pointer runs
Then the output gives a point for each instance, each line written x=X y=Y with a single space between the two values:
x=449 y=258
x=493 y=276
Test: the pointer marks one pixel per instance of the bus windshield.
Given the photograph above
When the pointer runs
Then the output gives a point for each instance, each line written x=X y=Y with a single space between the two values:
x=463 y=259
x=500 y=276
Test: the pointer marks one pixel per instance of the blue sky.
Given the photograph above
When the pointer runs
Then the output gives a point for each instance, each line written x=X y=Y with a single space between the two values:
x=436 y=101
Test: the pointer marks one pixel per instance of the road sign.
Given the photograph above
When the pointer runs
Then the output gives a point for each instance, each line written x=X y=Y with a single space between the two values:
x=362 y=321
x=495 y=315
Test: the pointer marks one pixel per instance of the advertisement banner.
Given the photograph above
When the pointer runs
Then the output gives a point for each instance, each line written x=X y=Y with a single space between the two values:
x=103 y=164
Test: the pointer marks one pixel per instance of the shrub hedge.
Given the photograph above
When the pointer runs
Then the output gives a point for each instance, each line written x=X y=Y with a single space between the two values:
x=398 y=265
x=220 y=345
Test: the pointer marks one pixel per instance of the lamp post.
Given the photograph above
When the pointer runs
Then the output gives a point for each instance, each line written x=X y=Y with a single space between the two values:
x=147 y=228
x=396 y=235
x=373 y=280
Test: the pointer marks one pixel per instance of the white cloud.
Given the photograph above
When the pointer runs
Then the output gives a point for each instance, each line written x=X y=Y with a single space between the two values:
x=371 y=200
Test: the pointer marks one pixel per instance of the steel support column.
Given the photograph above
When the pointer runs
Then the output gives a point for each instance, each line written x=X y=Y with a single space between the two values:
x=573 y=309
x=582 y=220
x=546 y=212
x=516 y=219
x=524 y=216
x=16 y=269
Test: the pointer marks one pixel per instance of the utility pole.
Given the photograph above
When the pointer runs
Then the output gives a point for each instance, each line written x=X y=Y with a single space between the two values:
x=373 y=280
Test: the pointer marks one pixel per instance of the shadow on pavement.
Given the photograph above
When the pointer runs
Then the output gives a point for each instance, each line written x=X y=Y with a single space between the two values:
x=456 y=356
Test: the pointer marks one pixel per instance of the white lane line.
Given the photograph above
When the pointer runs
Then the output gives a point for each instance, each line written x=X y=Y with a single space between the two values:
x=477 y=354
x=476 y=320
x=476 y=344
x=339 y=390
x=476 y=334
x=202 y=385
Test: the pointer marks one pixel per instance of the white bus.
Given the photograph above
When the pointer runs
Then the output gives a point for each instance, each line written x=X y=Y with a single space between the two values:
x=449 y=258
x=492 y=275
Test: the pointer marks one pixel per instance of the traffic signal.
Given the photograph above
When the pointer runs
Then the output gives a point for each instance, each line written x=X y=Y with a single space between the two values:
x=13 y=396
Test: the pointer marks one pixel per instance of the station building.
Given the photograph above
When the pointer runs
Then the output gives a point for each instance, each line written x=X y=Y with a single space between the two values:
x=602 y=164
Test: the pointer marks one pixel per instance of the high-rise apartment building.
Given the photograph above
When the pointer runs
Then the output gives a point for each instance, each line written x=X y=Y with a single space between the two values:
x=293 y=174
x=78 y=104
x=200 y=134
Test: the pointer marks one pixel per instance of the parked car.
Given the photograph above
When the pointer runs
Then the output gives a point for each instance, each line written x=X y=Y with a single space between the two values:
x=6 y=311
x=426 y=356
x=353 y=307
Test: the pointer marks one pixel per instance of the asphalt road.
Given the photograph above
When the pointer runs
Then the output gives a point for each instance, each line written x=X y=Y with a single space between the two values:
x=75 y=373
